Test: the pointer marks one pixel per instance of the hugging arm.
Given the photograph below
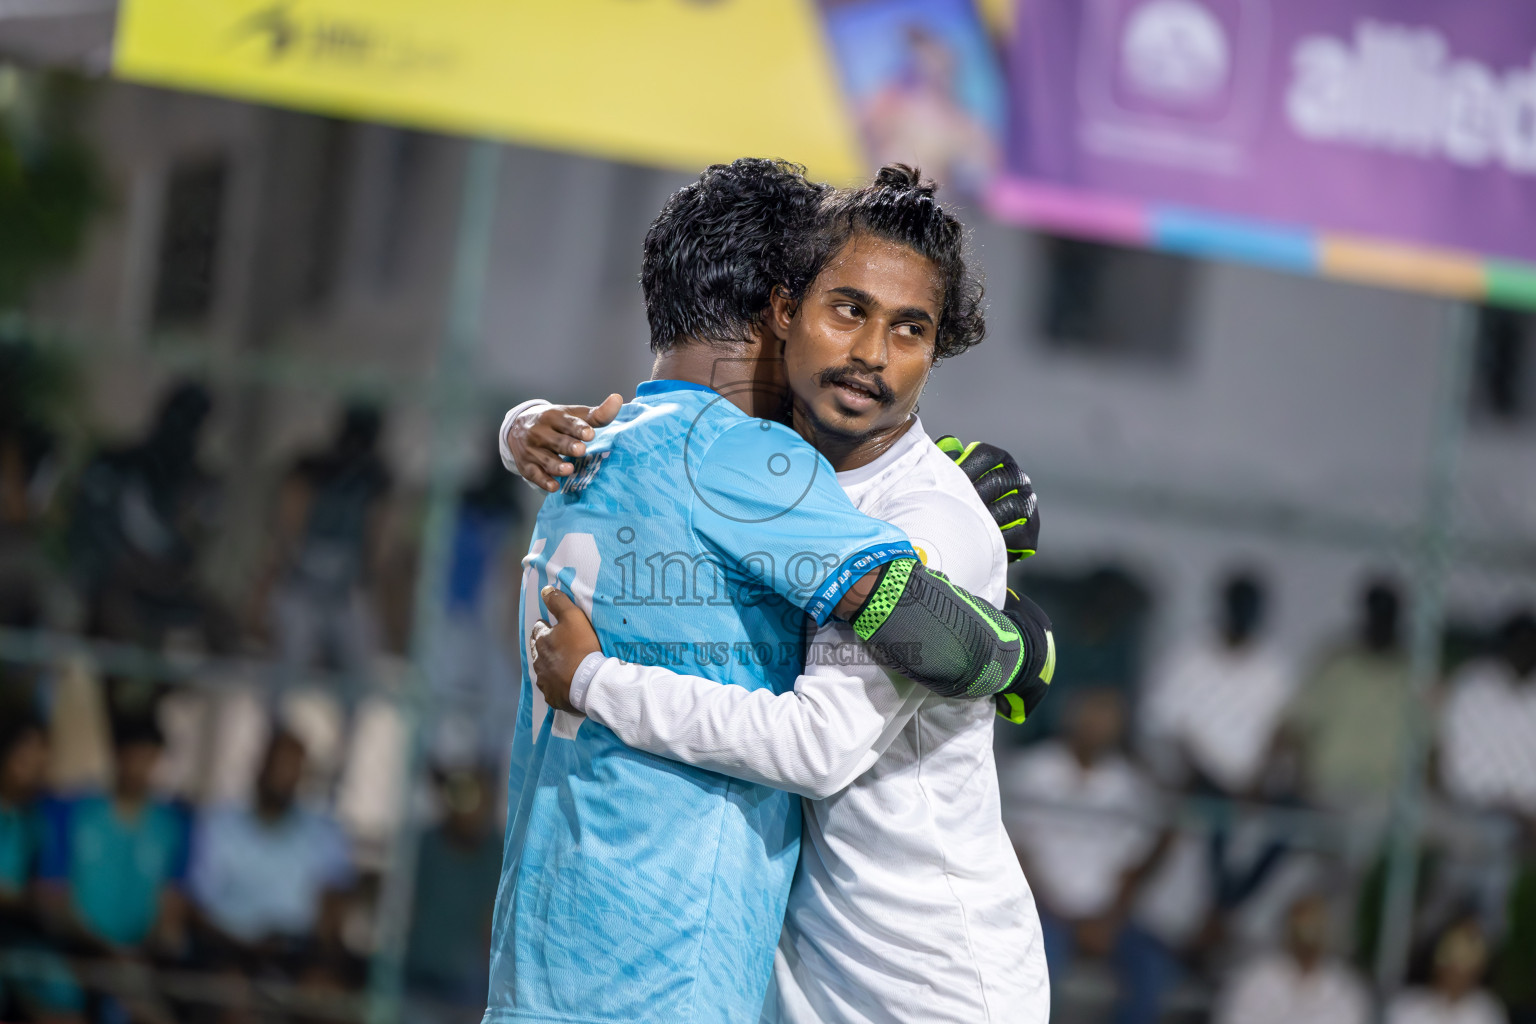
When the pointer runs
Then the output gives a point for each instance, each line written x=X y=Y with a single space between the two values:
x=812 y=741
x=915 y=621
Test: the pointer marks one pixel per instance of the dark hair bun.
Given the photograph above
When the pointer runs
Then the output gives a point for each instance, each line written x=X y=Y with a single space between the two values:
x=905 y=178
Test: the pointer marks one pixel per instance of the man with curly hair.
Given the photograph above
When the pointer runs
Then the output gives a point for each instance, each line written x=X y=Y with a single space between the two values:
x=908 y=903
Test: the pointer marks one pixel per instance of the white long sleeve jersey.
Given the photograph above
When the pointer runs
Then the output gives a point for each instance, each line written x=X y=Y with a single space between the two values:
x=908 y=903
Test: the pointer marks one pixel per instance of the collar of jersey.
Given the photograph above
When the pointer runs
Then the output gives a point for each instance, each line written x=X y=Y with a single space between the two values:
x=658 y=387
x=904 y=444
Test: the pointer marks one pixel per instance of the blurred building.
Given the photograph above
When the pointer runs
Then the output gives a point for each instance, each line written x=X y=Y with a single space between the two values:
x=1206 y=393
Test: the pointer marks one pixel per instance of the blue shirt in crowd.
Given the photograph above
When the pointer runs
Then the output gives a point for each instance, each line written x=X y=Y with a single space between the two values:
x=115 y=869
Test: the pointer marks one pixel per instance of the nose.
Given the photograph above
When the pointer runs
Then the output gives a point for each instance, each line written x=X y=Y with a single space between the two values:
x=869 y=350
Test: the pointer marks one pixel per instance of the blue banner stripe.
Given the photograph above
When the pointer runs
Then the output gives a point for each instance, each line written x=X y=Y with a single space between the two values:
x=1232 y=238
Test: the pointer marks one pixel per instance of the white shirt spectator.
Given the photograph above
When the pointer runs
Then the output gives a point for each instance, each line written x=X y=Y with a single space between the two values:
x=1424 y=1006
x=1222 y=706
x=1275 y=990
x=1099 y=824
x=1488 y=738
x=254 y=879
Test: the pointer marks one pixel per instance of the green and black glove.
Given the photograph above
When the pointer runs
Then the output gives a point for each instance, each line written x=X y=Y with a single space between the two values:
x=918 y=623
x=1033 y=682
x=1005 y=490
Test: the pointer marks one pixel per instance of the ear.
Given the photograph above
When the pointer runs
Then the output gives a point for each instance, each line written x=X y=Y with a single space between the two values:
x=781 y=310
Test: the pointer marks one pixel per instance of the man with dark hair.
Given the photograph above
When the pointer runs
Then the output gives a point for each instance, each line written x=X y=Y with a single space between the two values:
x=638 y=888
x=41 y=987
x=907 y=903
x=271 y=880
x=329 y=526
x=141 y=517
x=113 y=865
x=1211 y=718
x=1350 y=718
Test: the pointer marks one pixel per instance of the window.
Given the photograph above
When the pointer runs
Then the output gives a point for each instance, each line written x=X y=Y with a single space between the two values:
x=189 y=244
x=1103 y=300
x=1503 y=374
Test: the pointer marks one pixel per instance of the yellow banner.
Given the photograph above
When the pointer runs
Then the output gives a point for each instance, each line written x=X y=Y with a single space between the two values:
x=672 y=82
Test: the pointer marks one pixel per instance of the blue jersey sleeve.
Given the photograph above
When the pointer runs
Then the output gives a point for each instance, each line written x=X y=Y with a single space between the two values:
x=765 y=502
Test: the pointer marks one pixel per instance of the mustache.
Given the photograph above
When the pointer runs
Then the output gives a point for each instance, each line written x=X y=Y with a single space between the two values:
x=871 y=382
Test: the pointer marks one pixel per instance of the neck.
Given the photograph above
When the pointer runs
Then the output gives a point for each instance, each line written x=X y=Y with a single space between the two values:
x=731 y=370
x=269 y=811
x=129 y=804
x=848 y=451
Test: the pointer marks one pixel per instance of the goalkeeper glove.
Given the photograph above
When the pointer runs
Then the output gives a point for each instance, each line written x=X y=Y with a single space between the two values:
x=1005 y=490
x=1029 y=688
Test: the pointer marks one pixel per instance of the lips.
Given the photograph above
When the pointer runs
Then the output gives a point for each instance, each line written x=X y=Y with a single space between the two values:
x=856 y=392
x=860 y=386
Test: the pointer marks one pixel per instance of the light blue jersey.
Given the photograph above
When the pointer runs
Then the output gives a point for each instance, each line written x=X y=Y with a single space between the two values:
x=635 y=888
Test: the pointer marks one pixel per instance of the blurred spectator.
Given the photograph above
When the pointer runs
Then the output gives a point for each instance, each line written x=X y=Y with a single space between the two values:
x=1488 y=725
x=35 y=983
x=1460 y=959
x=472 y=662
x=270 y=881
x=330 y=517
x=112 y=866
x=141 y=517
x=457 y=871
x=1086 y=837
x=1216 y=709
x=1211 y=726
x=23 y=762
x=1351 y=717
x=1514 y=976
x=1299 y=983
x=27 y=464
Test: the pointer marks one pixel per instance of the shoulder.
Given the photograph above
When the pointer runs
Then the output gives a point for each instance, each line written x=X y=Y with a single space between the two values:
x=1345 y=982
x=318 y=827
x=1268 y=971
x=80 y=806
x=1128 y=778
x=169 y=815
x=934 y=503
x=223 y=819
x=1484 y=1007
x=721 y=439
x=1410 y=1007
x=56 y=810
x=1483 y=678
x=756 y=471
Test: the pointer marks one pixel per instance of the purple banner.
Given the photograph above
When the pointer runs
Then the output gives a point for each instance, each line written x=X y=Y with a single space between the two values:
x=1407 y=120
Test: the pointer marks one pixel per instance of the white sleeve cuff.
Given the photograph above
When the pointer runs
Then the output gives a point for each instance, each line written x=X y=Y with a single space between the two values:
x=583 y=679
x=506 y=425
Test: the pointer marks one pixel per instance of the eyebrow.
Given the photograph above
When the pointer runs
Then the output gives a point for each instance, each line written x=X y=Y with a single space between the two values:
x=861 y=296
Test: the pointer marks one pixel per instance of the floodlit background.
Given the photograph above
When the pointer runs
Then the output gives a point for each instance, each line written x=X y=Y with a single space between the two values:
x=259 y=561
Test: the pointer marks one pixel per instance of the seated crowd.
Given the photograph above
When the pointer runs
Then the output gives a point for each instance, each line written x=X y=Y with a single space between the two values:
x=1207 y=845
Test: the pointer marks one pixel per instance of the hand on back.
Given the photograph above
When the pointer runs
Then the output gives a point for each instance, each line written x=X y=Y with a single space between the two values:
x=544 y=437
x=558 y=650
